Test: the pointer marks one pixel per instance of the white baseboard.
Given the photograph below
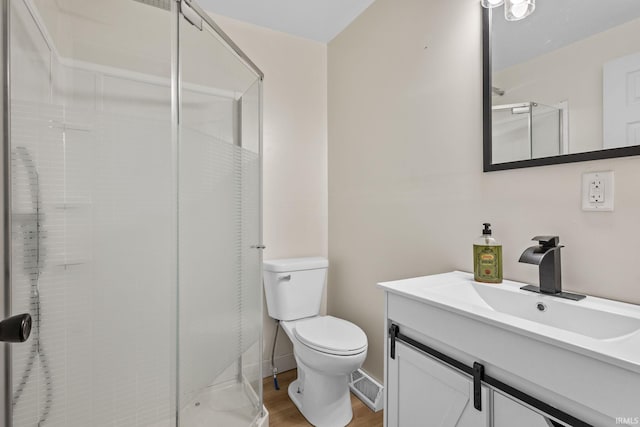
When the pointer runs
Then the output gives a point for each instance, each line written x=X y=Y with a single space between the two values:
x=286 y=362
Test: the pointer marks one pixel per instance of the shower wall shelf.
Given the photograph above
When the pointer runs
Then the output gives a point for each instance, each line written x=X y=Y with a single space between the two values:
x=72 y=205
x=70 y=126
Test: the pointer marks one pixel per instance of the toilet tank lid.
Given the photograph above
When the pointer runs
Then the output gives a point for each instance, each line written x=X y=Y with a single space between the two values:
x=295 y=264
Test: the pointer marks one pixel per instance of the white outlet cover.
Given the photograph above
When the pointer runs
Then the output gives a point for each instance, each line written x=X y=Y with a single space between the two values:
x=607 y=190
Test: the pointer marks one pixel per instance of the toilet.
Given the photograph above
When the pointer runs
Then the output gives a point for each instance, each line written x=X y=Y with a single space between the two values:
x=327 y=349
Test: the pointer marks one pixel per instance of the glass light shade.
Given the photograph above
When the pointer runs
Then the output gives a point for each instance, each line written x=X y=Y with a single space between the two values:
x=491 y=3
x=515 y=10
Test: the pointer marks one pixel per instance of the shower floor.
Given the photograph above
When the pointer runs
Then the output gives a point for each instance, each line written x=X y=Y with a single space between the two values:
x=225 y=406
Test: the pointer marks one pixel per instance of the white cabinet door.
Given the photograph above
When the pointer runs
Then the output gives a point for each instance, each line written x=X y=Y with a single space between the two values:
x=508 y=412
x=424 y=392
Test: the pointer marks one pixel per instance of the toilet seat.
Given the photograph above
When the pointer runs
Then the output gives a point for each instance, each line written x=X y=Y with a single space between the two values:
x=331 y=335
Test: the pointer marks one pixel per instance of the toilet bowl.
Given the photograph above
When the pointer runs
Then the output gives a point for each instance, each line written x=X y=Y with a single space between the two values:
x=327 y=349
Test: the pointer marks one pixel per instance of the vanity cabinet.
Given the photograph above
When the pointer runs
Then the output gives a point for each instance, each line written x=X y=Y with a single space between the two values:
x=507 y=410
x=424 y=392
x=449 y=351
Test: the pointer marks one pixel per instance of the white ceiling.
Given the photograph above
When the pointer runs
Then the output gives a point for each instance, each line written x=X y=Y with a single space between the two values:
x=319 y=20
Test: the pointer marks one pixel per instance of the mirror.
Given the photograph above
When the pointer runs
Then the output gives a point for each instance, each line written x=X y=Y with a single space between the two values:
x=562 y=85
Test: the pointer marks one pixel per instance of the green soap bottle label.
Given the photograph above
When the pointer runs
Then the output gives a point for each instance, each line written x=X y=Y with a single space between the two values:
x=487 y=263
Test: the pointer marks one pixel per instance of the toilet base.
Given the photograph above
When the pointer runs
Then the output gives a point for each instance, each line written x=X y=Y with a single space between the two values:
x=295 y=395
x=323 y=400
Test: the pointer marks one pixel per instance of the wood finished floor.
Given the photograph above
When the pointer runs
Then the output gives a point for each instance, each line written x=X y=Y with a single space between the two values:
x=283 y=413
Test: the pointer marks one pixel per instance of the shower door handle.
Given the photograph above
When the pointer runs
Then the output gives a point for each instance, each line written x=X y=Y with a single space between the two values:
x=16 y=328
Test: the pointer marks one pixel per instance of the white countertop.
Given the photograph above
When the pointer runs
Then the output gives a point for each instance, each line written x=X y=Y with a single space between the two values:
x=491 y=303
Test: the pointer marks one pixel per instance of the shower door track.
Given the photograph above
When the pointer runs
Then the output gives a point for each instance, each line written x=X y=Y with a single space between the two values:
x=195 y=7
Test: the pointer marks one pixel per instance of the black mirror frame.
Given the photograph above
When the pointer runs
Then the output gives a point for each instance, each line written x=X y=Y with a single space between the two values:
x=487 y=122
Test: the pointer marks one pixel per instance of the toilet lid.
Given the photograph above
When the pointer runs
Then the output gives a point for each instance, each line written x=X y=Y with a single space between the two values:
x=329 y=334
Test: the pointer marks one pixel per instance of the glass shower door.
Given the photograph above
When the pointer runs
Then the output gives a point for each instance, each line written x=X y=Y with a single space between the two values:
x=93 y=212
x=220 y=301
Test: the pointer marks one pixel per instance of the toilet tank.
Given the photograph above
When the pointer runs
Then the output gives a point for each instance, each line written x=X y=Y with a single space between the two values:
x=293 y=287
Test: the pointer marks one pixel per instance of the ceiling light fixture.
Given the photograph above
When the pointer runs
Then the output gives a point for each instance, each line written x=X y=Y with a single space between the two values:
x=515 y=10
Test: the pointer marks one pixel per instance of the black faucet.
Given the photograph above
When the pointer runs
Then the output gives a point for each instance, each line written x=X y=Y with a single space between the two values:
x=547 y=256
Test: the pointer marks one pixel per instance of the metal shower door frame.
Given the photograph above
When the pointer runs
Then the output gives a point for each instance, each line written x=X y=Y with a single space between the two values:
x=205 y=17
x=5 y=293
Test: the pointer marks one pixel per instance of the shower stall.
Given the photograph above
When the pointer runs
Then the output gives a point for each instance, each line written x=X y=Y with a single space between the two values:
x=132 y=164
x=528 y=130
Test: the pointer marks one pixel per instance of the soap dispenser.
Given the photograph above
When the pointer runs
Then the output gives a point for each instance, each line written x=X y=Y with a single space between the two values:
x=487 y=258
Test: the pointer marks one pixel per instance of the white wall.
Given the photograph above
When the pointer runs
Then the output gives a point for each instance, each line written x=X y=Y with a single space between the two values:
x=295 y=150
x=407 y=194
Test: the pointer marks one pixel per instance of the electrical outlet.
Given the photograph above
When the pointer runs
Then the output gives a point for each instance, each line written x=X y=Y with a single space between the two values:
x=597 y=191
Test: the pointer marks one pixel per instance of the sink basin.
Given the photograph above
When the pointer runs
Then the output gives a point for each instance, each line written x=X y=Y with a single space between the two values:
x=585 y=319
x=591 y=318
